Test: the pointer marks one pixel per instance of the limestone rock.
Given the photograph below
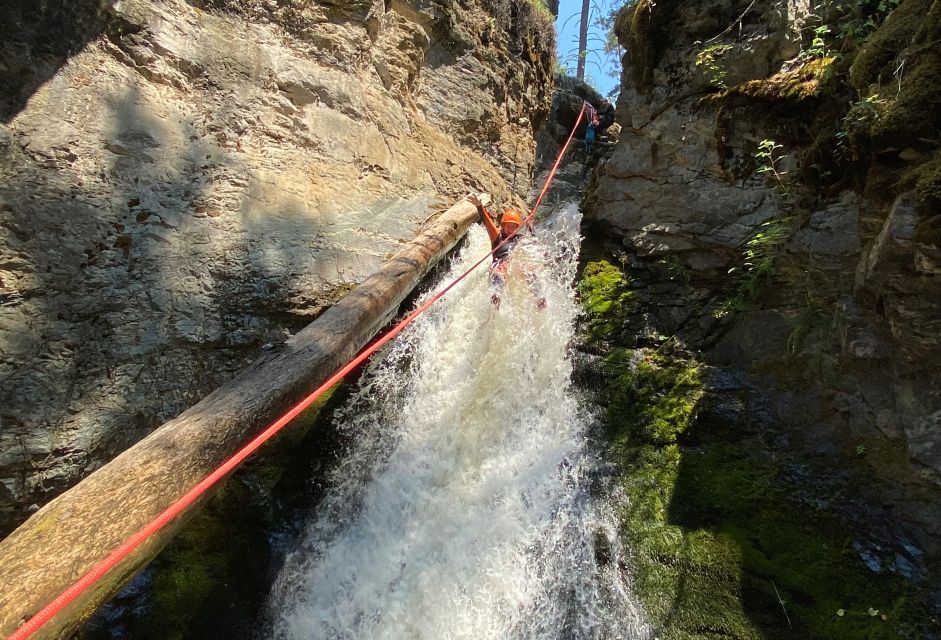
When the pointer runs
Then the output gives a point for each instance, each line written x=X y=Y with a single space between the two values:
x=844 y=323
x=185 y=182
x=902 y=267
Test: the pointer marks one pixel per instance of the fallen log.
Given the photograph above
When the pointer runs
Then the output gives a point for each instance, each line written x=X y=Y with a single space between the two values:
x=68 y=536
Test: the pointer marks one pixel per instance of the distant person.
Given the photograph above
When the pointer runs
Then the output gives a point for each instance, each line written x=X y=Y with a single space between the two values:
x=598 y=121
x=506 y=231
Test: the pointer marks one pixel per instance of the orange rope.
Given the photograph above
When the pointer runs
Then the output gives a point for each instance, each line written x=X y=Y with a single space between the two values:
x=115 y=557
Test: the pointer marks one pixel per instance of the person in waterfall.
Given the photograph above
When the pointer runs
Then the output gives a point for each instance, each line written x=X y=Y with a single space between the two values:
x=598 y=121
x=505 y=236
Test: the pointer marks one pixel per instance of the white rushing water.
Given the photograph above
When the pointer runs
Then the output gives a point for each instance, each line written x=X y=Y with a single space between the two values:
x=463 y=508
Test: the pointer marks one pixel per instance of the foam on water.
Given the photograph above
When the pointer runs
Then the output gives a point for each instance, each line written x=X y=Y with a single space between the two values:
x=463 y=508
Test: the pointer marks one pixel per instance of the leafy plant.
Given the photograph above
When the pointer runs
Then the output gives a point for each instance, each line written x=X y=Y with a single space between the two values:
x=866 y=19
x=676 y=269
x=859 y=119
x=709 y=58
x=541 y=8
x=529 y=23
x=818 y=45
x=769 y=158
x=762 y=250
x=760 y=253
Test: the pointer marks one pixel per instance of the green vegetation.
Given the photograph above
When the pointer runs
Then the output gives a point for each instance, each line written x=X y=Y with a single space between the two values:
x=652 y=398
x=769 y=158
x=870 y=89
x=543 y=10
x=720 y=548
x=797 y=84
x=927 y=180
x=818 y=45
x=606 y=296
x=873 y=63
x=531 y=27
x=897 y=72
x=862 y=21
x=759 y=257
x=709 y=58
x=764 y=248
x=859 y=120
x=209 y=554
x=676 y=268
x=719 y=545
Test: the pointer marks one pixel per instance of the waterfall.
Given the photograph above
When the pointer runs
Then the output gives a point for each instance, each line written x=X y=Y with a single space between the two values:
x=463 y=507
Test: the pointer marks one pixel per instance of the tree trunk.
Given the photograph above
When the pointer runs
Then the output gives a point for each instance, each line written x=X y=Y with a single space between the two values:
x=76 y=530
x=583 y=40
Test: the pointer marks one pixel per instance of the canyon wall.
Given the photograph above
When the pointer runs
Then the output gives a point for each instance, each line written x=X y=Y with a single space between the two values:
x=183 y=185
x=764 y=293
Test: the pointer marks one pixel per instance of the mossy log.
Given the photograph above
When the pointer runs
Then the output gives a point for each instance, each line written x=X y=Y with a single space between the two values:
x=64 y=539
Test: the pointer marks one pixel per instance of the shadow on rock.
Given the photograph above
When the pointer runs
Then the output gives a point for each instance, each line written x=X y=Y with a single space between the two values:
x=38 y=38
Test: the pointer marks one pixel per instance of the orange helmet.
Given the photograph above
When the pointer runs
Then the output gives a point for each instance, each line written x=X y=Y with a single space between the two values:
x=511 y=215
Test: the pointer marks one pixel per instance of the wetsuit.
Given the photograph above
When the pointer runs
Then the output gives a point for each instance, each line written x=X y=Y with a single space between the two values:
x=501 y=260
x=501 y=256
x=503 y=252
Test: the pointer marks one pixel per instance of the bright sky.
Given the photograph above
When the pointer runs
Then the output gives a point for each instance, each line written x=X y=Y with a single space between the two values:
x=599 y=67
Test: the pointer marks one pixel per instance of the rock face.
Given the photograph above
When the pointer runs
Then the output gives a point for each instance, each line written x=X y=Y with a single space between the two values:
x=755 y=140
x=669 y=154
x=185 y=183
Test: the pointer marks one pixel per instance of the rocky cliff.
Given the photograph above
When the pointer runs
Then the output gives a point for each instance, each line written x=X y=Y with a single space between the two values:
x=184 y=184
x=764 y=296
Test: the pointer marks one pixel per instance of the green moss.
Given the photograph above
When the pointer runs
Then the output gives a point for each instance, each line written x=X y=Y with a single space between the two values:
x=874 y=62
x=798 y=84
x=651 y=399
x=606 y=298
x=216 y=564
x=270 y=470
x=926 y=179
x=206 y=555
x=902 y=57
x=690 y=581
x=913 y=118
x=717 y=539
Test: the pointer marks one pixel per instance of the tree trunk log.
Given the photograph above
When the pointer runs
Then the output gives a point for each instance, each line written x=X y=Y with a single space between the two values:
x=68 y=536
x=583 y=39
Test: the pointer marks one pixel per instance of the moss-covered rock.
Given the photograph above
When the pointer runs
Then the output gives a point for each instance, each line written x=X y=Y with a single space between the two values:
x=914 y=116
x=794 y=85
x=652 y=399
x=872 y=63
x=690 y=581
x=720 y=547
x=926 y=179
x=903 y=57
x=607 y=299
x=721 y=550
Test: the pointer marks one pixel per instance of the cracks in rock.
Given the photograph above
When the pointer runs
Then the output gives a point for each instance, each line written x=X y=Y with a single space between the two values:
x=671 y=102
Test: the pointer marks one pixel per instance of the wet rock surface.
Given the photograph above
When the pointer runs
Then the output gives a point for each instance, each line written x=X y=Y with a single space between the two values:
x=193 y=182
x=803 y=277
